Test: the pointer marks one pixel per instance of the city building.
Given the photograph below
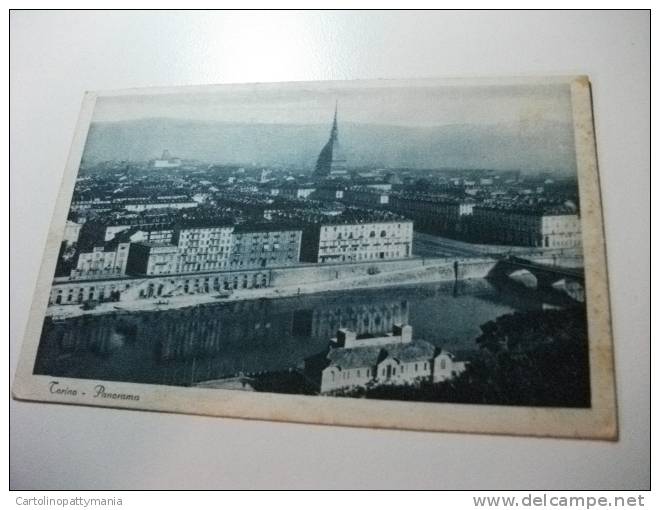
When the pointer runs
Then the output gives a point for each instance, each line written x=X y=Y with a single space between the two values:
x=373 y=183
x=198 y=245
x=211 y=245
x=265 y=245
x=520 y=225
x=166 y=161
x=329 y=191
x=105 y=259
x=247 y=205
x=203 y=245
x=298 y=191
x=367 y=196
x=358 y=361
x=356 y=235
x=83 y=202
x=71 y=232
x=153 y=233
x=72 y=292
x=147 y=204
x=151 y=258
x=199 y=227
x=441 y=214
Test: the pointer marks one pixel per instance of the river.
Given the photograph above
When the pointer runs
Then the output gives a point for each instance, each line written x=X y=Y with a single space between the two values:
x=186 y=346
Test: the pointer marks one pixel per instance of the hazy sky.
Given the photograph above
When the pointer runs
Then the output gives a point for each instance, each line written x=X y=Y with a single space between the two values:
x=422 y=124
x=393 y=105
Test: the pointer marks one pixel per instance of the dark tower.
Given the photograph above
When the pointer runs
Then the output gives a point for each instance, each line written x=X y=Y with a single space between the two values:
x=329 y=163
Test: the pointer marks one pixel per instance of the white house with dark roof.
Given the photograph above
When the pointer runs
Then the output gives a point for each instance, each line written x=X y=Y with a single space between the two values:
x=447 y=365
x=359 y=360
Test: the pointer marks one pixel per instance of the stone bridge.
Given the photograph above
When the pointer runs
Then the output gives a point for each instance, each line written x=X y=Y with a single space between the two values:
x=541 y=276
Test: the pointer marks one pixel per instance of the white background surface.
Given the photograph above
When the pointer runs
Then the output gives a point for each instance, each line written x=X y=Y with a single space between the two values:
x=56 y=56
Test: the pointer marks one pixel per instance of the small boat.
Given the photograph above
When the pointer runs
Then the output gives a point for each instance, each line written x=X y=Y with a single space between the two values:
x=223 y=294
x=162 y=302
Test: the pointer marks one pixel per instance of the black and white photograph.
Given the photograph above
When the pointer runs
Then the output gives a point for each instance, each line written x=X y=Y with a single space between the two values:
x=342 y=247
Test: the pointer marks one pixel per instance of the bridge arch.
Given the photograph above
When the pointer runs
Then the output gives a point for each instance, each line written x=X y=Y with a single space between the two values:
x=524 y=277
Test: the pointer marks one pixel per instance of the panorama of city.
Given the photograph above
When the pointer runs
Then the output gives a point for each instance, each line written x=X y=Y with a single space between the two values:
x=331 y=276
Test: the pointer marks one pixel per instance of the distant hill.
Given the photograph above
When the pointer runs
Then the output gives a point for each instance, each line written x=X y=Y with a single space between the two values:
x=546 y=146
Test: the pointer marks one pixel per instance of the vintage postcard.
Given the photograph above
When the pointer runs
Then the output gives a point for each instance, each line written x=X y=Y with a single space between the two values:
x=422 y=255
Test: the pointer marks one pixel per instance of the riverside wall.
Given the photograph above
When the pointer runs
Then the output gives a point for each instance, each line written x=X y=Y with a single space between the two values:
x=311 y=277
x=406 y=271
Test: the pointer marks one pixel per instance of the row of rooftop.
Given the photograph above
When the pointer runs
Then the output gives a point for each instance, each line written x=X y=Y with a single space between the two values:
x=315 y=199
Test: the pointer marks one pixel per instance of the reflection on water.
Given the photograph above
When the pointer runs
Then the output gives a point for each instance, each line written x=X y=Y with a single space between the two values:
x=181 y=347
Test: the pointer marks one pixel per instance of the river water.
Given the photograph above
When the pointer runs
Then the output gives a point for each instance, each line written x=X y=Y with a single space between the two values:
x=186 y=346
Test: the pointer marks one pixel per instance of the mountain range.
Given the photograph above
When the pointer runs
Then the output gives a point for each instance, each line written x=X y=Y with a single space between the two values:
x=543 y=146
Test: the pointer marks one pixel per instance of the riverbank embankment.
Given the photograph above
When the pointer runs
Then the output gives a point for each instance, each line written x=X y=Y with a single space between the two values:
x=296 y=281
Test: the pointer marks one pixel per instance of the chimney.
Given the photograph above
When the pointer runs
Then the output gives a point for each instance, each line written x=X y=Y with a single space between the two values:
x=346 y=337
x=402 y=331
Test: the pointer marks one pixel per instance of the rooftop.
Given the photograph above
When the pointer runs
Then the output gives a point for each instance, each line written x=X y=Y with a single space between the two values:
x=358 y=357
x=430 y=197
x=205 y=222
x=349 y=216
x=275 y=226
x=528 y=209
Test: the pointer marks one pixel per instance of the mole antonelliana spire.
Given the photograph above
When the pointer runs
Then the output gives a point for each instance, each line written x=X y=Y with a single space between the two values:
x=329 y=162
x=333 y=133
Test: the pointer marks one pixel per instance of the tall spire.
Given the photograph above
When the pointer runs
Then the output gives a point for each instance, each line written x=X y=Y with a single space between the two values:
x=329 y=161
x=333 y=133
